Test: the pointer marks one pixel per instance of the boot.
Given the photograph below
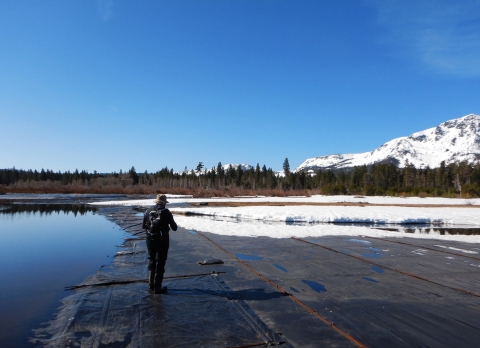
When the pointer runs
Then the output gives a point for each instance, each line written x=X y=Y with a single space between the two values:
x=158 y=285
x=151 y=280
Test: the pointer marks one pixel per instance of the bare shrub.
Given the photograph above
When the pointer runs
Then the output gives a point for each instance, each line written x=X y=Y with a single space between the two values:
x=116 y=186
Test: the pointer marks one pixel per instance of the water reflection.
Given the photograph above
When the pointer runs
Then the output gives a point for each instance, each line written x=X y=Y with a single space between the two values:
x=409 y=228
x=68 y=197
x=47 y=209
x=443 y=231
x=45 y=247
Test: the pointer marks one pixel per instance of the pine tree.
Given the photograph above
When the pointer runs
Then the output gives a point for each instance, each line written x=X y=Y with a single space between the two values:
x=286 y=167
x=133 y=175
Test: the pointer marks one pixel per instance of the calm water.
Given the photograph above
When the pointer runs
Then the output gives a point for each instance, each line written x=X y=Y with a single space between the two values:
x=45 y=247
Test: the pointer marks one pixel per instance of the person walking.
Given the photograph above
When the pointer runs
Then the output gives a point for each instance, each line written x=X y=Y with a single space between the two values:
x=157 y=221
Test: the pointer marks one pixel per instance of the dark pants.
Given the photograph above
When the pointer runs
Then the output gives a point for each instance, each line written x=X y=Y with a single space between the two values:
x=157 y=253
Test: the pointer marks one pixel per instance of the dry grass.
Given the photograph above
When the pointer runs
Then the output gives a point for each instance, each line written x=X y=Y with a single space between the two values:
x=49 y=187
x=54 y=187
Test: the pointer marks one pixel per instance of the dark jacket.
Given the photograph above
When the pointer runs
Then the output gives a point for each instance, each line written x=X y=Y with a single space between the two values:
x=166 y=219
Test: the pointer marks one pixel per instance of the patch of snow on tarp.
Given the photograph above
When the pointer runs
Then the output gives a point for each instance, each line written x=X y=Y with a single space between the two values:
x=457 y=249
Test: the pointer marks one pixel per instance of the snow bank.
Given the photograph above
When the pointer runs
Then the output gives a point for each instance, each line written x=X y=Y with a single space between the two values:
x=339 y=214
x=276 y=230
x=271 y=221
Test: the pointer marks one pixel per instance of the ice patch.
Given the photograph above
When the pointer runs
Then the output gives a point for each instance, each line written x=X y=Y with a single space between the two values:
x=360 y=241
x=420 y=252
x=457 y=249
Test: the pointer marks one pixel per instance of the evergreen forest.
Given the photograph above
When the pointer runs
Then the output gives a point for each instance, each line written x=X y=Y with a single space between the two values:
x=453 y=180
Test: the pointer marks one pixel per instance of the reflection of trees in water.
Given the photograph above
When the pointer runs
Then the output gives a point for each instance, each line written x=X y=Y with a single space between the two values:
x=47 y=209
x=443 y=231
x=465 y=231
x=418 y=229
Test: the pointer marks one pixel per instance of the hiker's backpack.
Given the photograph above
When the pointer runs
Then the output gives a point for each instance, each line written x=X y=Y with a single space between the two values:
x=153 y=223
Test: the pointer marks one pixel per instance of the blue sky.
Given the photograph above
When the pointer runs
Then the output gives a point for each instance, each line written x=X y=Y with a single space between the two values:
x=106 y=85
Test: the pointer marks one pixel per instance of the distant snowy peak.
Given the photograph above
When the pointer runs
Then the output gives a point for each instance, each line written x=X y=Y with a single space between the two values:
x=225 y=168
x=236 y=166
x=451 y=141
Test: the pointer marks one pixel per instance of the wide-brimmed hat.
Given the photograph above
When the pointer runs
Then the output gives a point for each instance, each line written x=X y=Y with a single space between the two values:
x=161 y=199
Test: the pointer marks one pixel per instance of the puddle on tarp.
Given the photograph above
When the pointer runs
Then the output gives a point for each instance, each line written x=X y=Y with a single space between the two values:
x=280 y=267
x=377 y=269
x=248 y=257
x=373 y=255
x=359 y=241
x=314 y=285
x=44 y=248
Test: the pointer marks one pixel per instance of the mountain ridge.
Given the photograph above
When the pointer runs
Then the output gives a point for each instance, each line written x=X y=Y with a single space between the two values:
x=454 y=140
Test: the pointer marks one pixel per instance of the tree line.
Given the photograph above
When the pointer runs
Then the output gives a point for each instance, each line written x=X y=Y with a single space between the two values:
x=453 y=180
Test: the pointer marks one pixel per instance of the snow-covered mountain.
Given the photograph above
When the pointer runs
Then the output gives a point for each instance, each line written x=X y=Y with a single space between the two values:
x=235 y=166
x=451 y=141
x=224 y=166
